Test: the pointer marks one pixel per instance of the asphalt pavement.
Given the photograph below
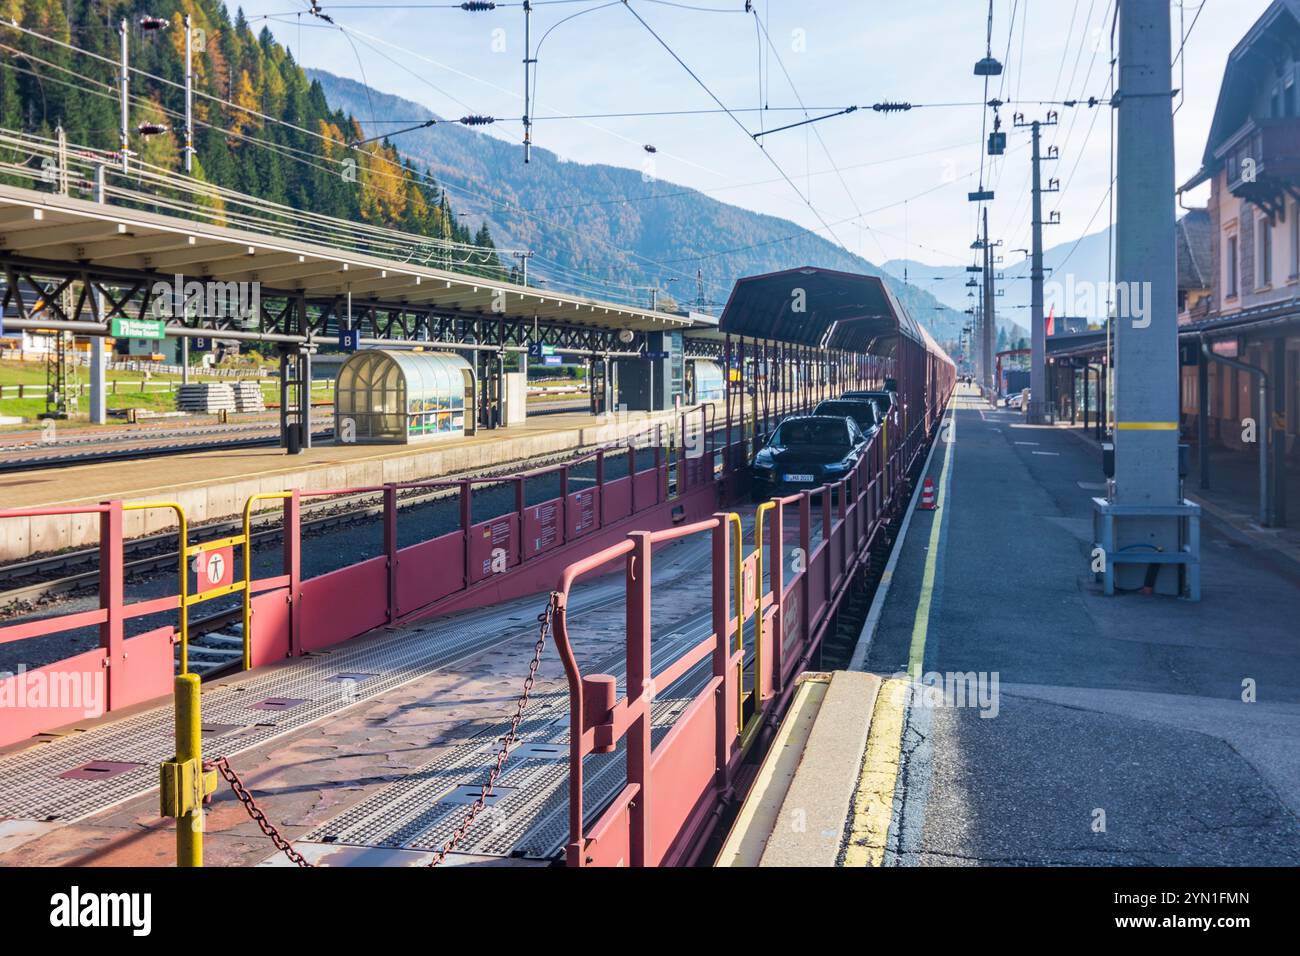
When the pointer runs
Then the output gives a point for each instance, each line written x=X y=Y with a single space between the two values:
x=1081 y=729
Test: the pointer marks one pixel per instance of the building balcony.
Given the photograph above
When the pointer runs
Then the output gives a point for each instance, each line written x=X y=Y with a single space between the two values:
x=1263 y=162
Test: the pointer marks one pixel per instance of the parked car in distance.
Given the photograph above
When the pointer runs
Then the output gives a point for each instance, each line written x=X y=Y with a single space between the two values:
x=807 y=451
x=884 y=398
x=866 y=413
x=1019 y=401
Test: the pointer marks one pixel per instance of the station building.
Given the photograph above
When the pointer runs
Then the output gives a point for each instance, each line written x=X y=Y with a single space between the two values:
x=1248 y=317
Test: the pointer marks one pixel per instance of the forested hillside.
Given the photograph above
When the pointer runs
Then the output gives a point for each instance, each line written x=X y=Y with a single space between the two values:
x=304 y=161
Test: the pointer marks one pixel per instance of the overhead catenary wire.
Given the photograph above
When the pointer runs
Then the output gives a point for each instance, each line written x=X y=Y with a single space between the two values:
x=830 y=230
x=301 y=156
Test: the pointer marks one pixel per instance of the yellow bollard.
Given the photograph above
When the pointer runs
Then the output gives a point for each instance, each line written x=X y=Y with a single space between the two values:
x=183 y=783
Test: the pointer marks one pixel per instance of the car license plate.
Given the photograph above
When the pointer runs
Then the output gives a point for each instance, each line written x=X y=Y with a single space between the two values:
x=800 y=478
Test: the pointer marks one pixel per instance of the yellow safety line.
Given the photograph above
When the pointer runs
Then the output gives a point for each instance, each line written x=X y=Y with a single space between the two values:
x=1147 y=426
x=921 y=624
x=873 y=803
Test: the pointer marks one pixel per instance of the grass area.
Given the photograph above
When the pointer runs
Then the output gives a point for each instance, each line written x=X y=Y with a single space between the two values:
x=33 y=408
x=129 y=393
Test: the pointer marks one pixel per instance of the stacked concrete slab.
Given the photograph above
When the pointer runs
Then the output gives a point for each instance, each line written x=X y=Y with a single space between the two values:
x=248 y=397
x=208 y=398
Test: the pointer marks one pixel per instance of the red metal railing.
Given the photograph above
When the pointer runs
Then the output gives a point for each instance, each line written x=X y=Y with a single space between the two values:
x=124 y=679
x=289 y=615
x=673 y=787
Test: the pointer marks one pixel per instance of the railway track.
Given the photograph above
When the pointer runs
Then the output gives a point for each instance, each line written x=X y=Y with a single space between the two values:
x=29 y=584
x=30 y=455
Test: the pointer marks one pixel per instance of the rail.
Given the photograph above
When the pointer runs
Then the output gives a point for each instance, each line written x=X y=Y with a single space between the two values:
x=287 y=614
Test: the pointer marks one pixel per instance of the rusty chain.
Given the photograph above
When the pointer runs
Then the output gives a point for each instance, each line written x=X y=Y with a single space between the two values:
x=545 y=620
x=222 y=766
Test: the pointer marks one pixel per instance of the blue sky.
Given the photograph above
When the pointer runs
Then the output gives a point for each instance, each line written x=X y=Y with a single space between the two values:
x=903 y=177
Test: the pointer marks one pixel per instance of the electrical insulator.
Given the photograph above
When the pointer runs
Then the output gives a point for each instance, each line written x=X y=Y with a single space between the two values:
x=477 y=120
x=150 y=129
x=475 y=6
x=154 y=23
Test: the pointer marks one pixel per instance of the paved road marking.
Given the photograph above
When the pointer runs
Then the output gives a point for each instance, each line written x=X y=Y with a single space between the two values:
x=873 y=803
x=1050 y=454
x=1026 y=443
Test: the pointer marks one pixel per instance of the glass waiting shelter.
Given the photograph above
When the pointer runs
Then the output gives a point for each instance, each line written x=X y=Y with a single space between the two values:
x=708 y=382
x=392 y=396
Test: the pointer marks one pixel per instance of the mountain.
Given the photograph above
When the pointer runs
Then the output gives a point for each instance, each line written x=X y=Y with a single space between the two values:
x=1081 y=262
x=603 y=229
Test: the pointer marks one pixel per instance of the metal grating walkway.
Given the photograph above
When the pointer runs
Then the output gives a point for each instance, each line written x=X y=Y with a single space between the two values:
x=529 y=815
x=312 y=688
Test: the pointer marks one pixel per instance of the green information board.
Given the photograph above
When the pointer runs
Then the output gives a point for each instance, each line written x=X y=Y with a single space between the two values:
x=137 y=328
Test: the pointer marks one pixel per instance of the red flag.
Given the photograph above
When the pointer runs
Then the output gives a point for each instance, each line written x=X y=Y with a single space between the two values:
x=1051 y=321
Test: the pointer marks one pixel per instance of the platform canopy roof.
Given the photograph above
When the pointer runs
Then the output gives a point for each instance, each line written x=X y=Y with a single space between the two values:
x=822 y=308
x=37 y=225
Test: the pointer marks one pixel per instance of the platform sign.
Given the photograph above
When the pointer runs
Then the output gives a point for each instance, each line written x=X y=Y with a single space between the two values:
x=199 y=344
x=137 y=328
x=349 y=339
x=213 y=569
x=552 y=360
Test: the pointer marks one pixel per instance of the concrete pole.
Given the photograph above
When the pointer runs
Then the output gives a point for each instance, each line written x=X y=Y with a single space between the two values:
x=98 y=369
x=990 y=315
x=189 y=96
x=1146 y=332
x=124 y=84
x=1037 y=325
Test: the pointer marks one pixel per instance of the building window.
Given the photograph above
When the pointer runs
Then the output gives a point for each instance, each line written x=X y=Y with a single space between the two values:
x=1231 y=283
x=1264 y=253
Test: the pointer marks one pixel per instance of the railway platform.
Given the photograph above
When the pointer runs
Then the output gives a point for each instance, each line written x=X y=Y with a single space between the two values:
x=1025 y=718
x=212 y=485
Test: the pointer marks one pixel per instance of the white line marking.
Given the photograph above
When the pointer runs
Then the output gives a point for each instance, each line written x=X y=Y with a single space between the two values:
x=1052 y=454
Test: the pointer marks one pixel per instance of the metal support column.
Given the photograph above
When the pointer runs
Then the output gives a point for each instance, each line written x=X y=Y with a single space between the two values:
x=98 y=357
x=1277 y=434
x=1203 y=421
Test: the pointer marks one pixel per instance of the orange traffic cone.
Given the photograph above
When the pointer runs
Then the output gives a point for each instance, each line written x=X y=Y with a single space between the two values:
x=927 y=495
